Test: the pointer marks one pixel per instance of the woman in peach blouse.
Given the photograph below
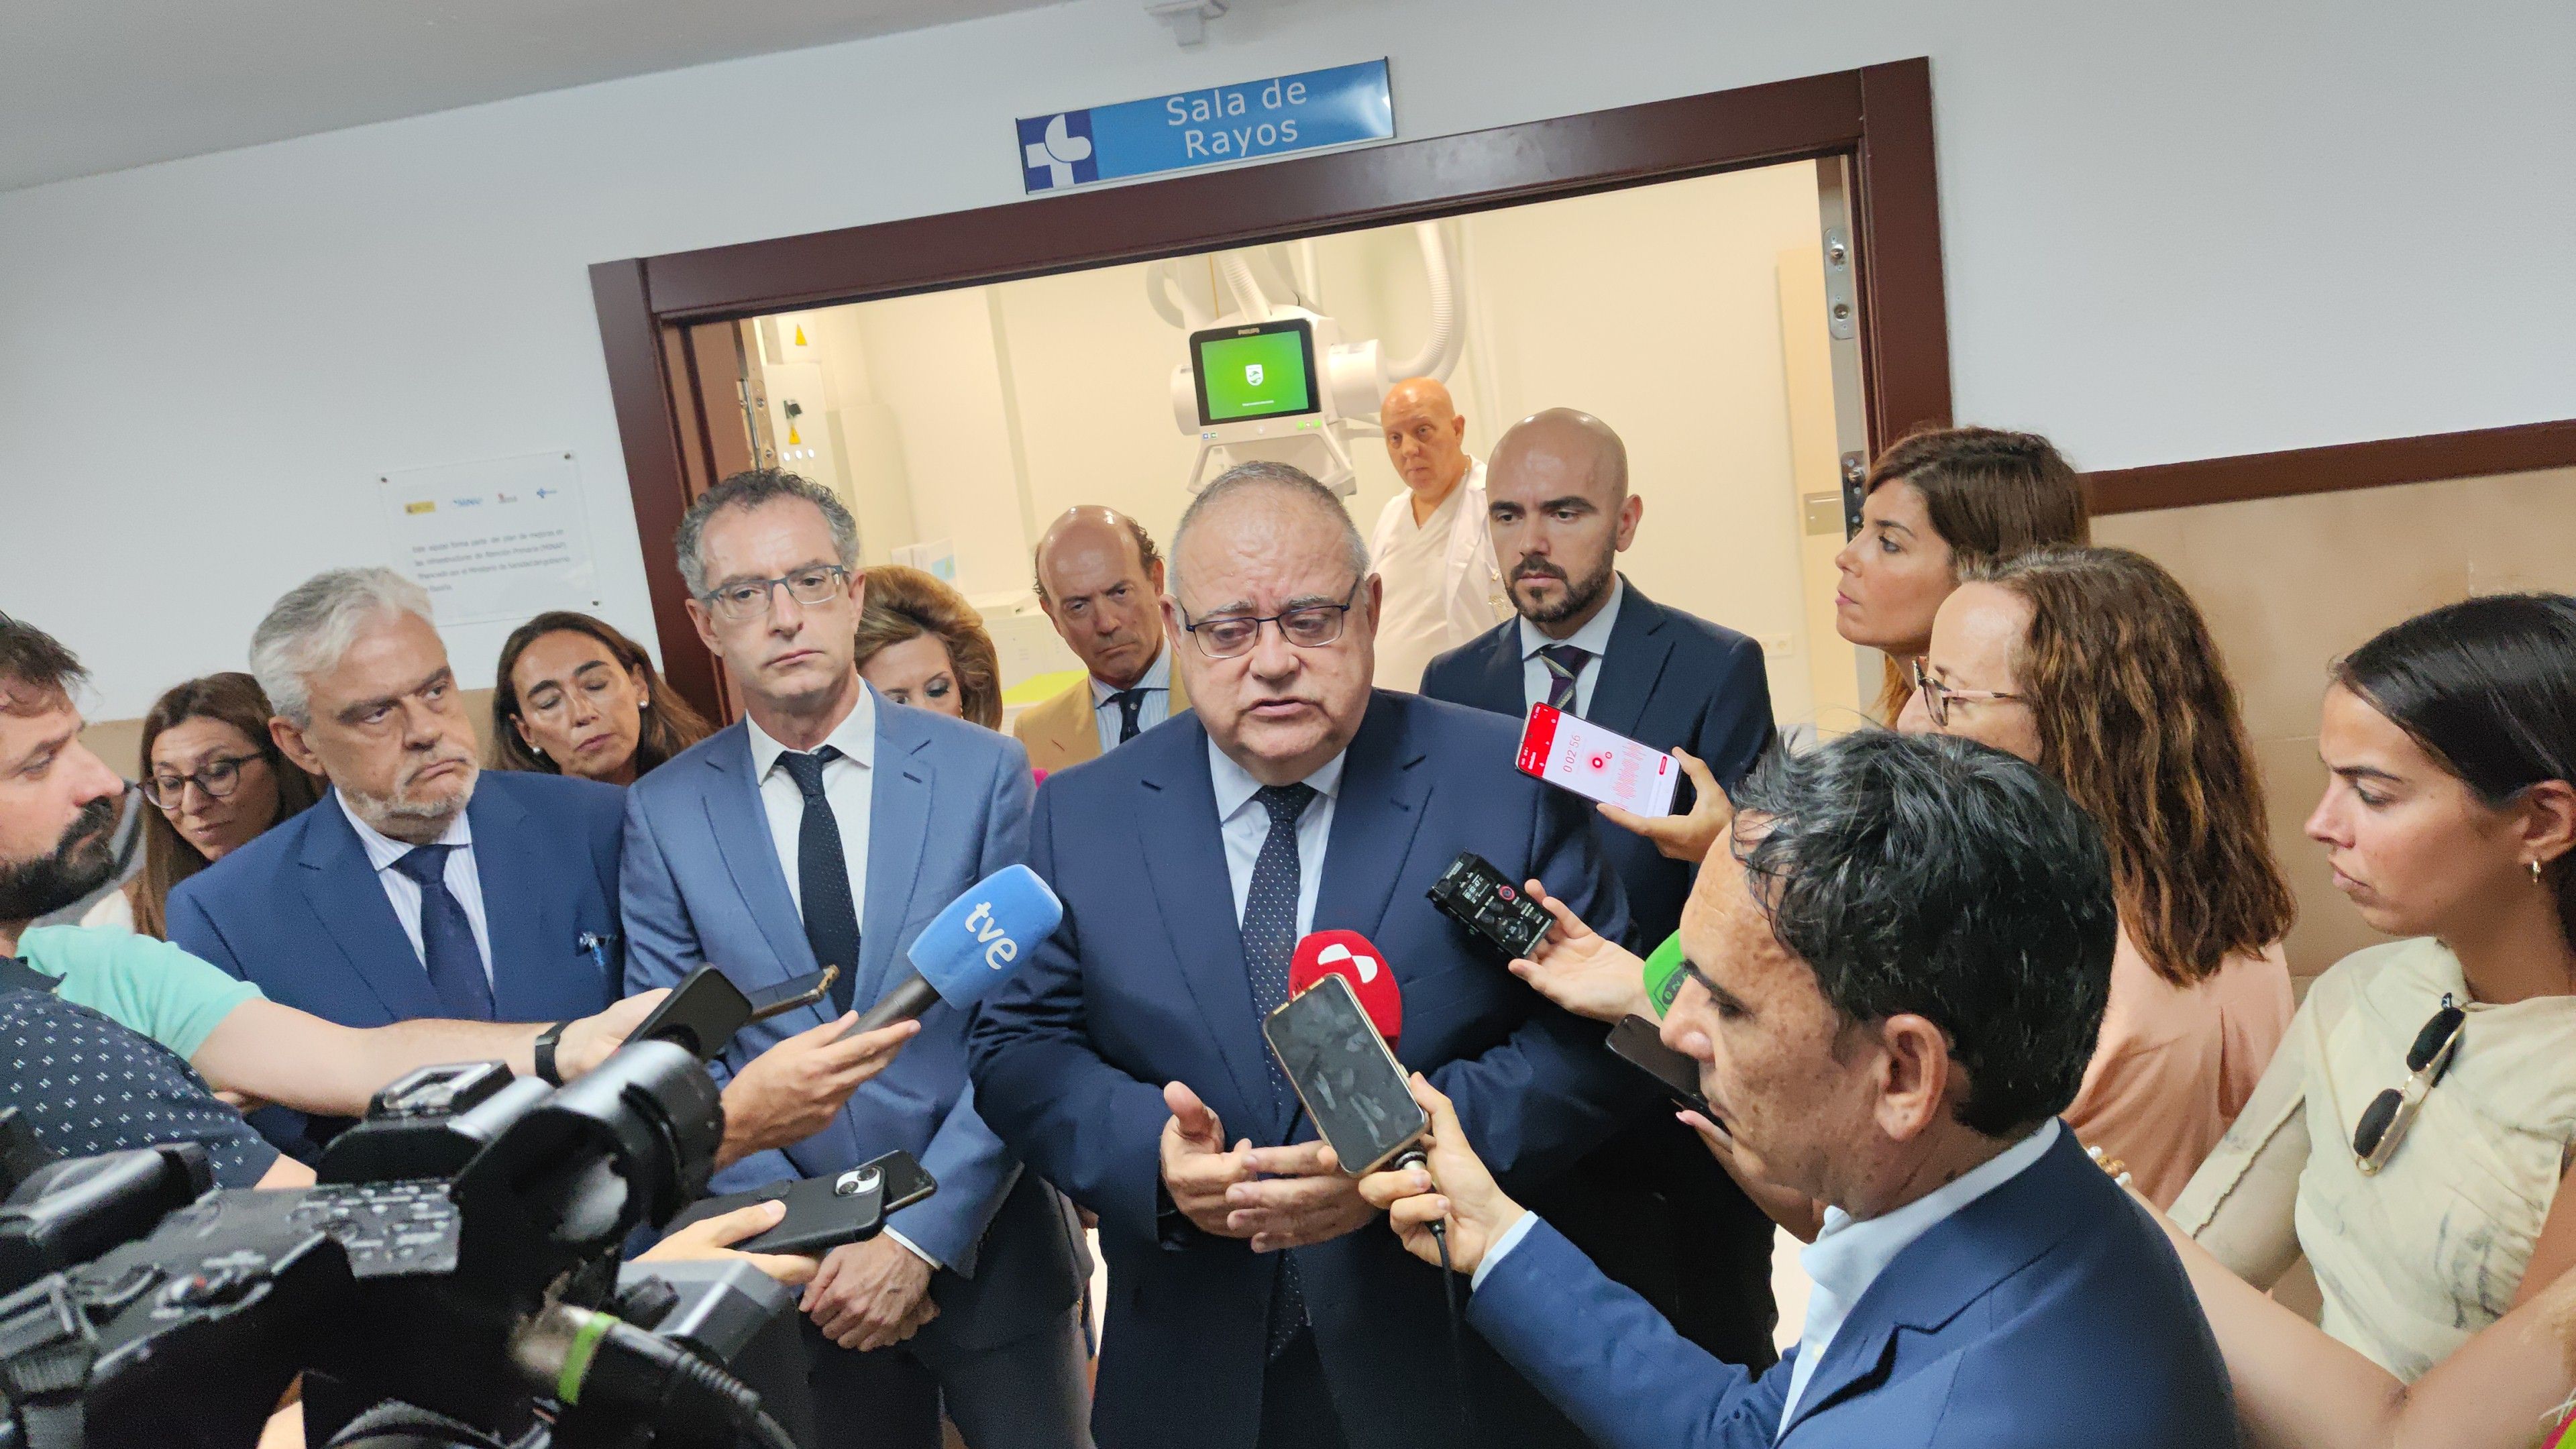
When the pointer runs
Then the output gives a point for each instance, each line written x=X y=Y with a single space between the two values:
x=2094 y=665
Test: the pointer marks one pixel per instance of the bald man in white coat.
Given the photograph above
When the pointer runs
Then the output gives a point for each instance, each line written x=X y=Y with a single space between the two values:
x=1430 y=545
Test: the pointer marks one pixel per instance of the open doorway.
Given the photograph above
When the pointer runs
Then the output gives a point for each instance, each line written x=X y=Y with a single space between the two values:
x=697 y=384
x=1697 y=317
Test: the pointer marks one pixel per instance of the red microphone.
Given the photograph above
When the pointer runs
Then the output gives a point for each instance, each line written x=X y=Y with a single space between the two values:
x=1349 y=955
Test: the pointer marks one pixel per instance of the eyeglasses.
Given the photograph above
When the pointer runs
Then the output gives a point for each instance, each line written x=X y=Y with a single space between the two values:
x=2385 y=1120
x=218 y=777
x=744 y=600
x=1937 y=697
x=1308 y=626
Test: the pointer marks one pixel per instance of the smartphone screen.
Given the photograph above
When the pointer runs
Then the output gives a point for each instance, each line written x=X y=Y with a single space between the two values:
x=1351 y=1084
x=1578 y=755
x=701 y=1014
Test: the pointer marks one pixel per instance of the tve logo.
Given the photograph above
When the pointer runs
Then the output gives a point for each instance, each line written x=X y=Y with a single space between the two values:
x=999 y=949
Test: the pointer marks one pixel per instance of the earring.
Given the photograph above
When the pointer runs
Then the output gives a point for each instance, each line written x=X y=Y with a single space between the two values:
x=2535 y=872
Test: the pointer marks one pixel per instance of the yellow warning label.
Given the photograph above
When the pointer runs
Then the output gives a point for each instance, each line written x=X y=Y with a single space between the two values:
x=792 y=439
x=424 y=506
x=800 y=335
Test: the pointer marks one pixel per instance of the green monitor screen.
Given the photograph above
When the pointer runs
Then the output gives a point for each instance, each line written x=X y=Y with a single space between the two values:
x=1263 y=371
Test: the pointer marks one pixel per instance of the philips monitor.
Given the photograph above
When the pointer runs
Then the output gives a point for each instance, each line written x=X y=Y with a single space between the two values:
x=1258 y=370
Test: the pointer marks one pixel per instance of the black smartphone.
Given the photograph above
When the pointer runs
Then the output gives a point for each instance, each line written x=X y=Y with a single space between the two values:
x=701 y=1014
x=1640 y=1043
x=1351 y=1083
x=825 y=1212
x=787 y=996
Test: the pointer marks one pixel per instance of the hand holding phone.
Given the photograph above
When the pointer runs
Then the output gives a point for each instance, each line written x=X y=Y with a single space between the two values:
x=1575 y=754
x=1350 y=1082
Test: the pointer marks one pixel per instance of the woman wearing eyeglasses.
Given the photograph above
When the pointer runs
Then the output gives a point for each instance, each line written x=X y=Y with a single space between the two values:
x=217 y=782
x=2412 y=1135
x=2094 y=665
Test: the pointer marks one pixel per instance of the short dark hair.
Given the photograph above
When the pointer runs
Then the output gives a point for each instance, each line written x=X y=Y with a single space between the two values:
x=2487 y=687
x=750 y=489
x=34 y=667
x=1931 y=875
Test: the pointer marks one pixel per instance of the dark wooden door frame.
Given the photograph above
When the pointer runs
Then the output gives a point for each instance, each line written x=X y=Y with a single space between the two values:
x=673 y=412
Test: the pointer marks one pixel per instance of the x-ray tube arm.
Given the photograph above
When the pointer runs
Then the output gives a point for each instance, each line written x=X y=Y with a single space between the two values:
x=1439 y=353
x=1171 y=301
x=1237 y=271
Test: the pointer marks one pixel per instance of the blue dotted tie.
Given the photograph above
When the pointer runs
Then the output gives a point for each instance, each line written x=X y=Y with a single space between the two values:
x=823 y=876
x=1269 y=941
x=1131 y=704
x=447 y=938
x=1564 y=666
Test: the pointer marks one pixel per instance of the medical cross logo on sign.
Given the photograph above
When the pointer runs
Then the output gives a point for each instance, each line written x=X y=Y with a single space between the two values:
x=1056 y=150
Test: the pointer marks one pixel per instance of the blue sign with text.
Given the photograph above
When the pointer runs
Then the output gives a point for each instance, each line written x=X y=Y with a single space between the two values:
x=1209 y=127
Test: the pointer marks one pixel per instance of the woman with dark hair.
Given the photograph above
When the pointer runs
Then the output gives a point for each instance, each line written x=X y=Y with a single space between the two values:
x=2094 y=665
x=217 y=780
x=921 y=643
x=1936 y=503
x=2414 y=1132
x=573 y=696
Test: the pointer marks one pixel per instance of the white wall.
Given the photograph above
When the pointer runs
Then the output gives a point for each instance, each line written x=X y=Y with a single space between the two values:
x=2196 y=228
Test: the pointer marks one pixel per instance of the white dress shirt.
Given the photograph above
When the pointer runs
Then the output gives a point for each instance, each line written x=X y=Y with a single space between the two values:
x=1153 y=710
x=1849 y=1253
x=1245 y=825
x=1593 y=637
x=404 y=893
x=848 y=784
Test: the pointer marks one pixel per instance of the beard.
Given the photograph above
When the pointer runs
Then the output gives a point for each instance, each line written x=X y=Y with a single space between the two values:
x=1579 y=594
x=82 y=861
x=400 y=816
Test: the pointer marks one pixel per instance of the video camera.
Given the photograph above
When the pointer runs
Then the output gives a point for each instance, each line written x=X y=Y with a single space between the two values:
x=456 y=1268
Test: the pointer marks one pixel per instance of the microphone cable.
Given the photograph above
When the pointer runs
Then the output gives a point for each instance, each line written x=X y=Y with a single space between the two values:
x=1413 y=1157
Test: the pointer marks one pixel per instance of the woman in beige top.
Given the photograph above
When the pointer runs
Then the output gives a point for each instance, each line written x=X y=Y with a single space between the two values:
x=2093 y=664
x=2412 y=1137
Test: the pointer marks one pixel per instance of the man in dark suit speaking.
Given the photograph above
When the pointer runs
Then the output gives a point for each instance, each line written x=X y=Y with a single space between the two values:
x=1585 y=640
x=1127 y=1056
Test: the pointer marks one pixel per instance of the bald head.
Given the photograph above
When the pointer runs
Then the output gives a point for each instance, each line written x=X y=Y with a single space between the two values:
x=1100 y=579
x=1426 y=439
x=1558 y=506
x=1567 y=445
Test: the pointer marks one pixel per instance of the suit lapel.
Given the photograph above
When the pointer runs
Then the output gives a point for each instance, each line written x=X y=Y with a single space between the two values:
x=740 y=825
x=898 y=823
x=1640 y=646
x=1957 y=1261
x=523 y=916
x=341 y=886
x=1071 y=735
x=1497 y=688
x=1184 y=850
x=1374 y=820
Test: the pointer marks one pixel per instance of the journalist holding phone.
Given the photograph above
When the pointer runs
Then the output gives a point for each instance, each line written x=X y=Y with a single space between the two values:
x=826 y=828
x=1896 y=967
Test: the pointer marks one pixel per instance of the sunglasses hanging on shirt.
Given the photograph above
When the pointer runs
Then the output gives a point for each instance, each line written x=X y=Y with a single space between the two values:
x=2384 y=1122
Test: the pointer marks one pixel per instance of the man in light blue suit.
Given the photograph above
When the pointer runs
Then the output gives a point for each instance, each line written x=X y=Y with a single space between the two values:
x=1895 y=973
x=826 y=828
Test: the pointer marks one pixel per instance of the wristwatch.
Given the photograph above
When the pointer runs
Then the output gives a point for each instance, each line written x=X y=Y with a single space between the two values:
x=547 y=1041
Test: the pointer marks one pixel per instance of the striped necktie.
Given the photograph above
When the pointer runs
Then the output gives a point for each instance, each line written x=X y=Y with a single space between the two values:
x=1564 y=666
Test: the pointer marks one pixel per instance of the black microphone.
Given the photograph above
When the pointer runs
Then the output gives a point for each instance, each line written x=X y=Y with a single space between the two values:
x=968 y=948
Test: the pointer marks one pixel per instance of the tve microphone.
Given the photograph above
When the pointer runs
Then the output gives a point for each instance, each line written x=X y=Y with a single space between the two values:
x=968 y=948
x=1349 y=955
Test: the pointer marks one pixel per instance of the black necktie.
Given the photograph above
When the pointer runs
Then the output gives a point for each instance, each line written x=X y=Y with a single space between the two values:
x=1269 y=940
x=823 y=876
x=1564 y=666
x=447 y=938
x=1131 y=703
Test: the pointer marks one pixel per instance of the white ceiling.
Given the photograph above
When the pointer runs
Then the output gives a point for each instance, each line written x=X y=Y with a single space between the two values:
x=98 y=85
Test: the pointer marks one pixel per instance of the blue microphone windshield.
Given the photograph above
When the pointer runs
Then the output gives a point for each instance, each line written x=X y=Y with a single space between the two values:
x=985 y=934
